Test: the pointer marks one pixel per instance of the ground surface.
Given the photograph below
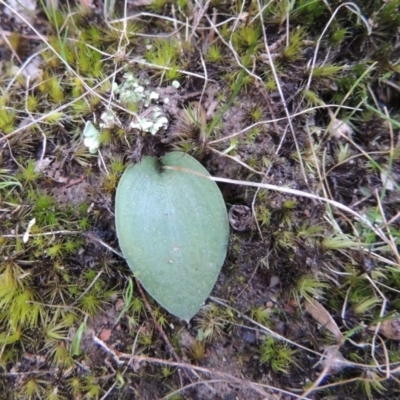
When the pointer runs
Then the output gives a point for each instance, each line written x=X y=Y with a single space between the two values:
x=298 y=95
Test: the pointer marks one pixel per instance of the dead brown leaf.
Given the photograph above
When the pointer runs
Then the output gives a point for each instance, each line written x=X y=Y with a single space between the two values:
x=389 y=328
x=322 y=316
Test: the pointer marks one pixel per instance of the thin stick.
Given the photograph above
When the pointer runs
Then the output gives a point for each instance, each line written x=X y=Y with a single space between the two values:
x=230 y=378
x=282 y=96
x=265 y=122
x=285 y=190
x=161 y=330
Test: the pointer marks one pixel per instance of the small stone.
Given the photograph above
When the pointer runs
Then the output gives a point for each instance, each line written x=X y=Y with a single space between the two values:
x=175 y=84
x=249 y=336
x=154 y=96
x=119 y=305
x=340 y=129
x=105 y=335
x=270 y=304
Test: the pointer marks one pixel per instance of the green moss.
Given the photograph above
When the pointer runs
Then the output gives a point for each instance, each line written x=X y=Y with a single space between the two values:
x=157 y=6
x=279 y=356
x=166 y=53
x=310 y=12
x=338 y=35
x=293 y=51
x=7 y=119
x=247 y=37
x=214 y=54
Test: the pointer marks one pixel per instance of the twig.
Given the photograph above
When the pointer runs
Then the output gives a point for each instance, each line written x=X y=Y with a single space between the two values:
x=161 y=331
x=230 y=378
x=276 y=78
x=264 y=122
x=159 y=328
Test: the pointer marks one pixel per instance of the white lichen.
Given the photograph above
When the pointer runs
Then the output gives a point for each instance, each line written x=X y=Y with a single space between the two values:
x=158 y=121
x=91 y=137
x=109 y=119
x=131 y=92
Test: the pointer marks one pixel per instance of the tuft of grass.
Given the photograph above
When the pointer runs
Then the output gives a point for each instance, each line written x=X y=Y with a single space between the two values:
x=366 y=305
x=7 y=180
x=190 y=129
x=371 y=385
x=197 y=351
x=261 y=315
x=209 y=323
x=327 y=71
x=336 y=242
x=111 y=179
x=309 y=287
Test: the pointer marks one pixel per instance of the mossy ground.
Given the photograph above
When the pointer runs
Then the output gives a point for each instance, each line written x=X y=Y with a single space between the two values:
x=296 y=94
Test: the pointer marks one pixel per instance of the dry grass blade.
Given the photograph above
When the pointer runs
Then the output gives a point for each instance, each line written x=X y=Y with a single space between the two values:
x=293 y=192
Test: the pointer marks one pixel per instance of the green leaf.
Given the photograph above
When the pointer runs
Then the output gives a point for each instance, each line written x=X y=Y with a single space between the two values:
x=76 y=340
x=173 y=230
